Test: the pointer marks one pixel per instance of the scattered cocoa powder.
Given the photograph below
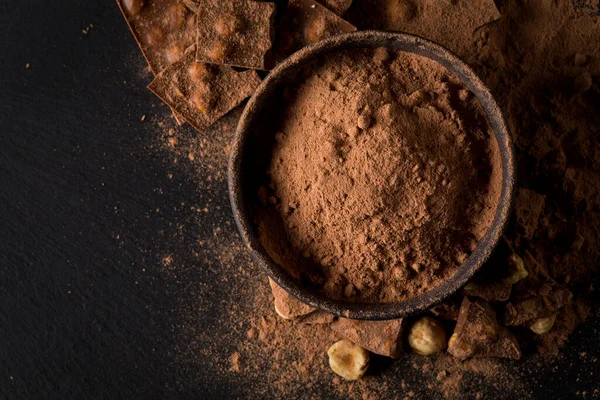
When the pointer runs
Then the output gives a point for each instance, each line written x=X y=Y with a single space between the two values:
x=384 y=175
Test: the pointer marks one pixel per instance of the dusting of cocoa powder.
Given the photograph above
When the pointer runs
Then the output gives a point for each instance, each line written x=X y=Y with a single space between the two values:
x=384 y=174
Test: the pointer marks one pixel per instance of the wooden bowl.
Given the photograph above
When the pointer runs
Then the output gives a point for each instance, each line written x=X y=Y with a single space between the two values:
x=250 y=160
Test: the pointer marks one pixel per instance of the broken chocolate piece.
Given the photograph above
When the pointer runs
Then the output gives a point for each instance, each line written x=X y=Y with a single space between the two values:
x=306 y=22
x=535 y=296
x=380 y=337
x=287 y=306
x=316 y=318
x=235 y=32
x=163 y=29
x=549 y=298
x=528 y=208
x=478 y=333
x=489 y=291
x=203 y=93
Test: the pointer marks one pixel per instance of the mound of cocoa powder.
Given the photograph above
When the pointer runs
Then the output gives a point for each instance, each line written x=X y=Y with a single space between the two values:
x=384 y=175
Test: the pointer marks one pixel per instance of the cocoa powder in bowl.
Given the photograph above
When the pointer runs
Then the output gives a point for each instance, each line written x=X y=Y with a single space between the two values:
x=382 y=178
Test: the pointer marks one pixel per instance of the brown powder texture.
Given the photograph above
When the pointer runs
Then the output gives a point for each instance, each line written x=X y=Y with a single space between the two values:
x=383 y=173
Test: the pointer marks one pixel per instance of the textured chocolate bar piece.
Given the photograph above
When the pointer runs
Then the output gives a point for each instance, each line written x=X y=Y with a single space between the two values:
x=306 y=22
x=478 y=333
x=163 y=29
x=235 y=32
x=379 y=337
x=203 y=93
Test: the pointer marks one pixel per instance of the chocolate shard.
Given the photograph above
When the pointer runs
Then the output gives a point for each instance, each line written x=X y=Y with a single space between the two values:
x=316 y=318
x=306 y=22
x=379 y=337
x=163 y=29
x=536 y=296
x=286 y=305
x=489 y=291
x=478 y=333
x=235 y=32
x=203 y=93
x=548 y=299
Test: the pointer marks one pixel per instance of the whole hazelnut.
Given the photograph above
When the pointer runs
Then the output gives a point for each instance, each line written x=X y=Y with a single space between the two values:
x=348 y=360
x=427 y=336
x=543 y=325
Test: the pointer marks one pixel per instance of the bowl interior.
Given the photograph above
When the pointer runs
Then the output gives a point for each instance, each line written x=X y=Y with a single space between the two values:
x=250 y=158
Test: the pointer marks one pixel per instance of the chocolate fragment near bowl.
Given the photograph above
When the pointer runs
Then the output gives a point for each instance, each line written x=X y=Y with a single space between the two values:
x=286 y=306
x=203 y=93
x=305 y=22
x=478 y=333
x=379 y=337
x=235 y=32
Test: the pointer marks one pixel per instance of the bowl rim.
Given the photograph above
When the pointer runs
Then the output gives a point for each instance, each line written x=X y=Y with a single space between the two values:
x=497 y=122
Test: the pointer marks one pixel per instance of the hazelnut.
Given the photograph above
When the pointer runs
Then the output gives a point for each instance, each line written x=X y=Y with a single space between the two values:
x=133 y=6
x=176 y=16
x=516 y=270
x=199 y=71
x=543 y=325
x=174 y=53
x=218 y=51
x=348 y=360
x=427 y=336
x=228 y=24
x=316 y=29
